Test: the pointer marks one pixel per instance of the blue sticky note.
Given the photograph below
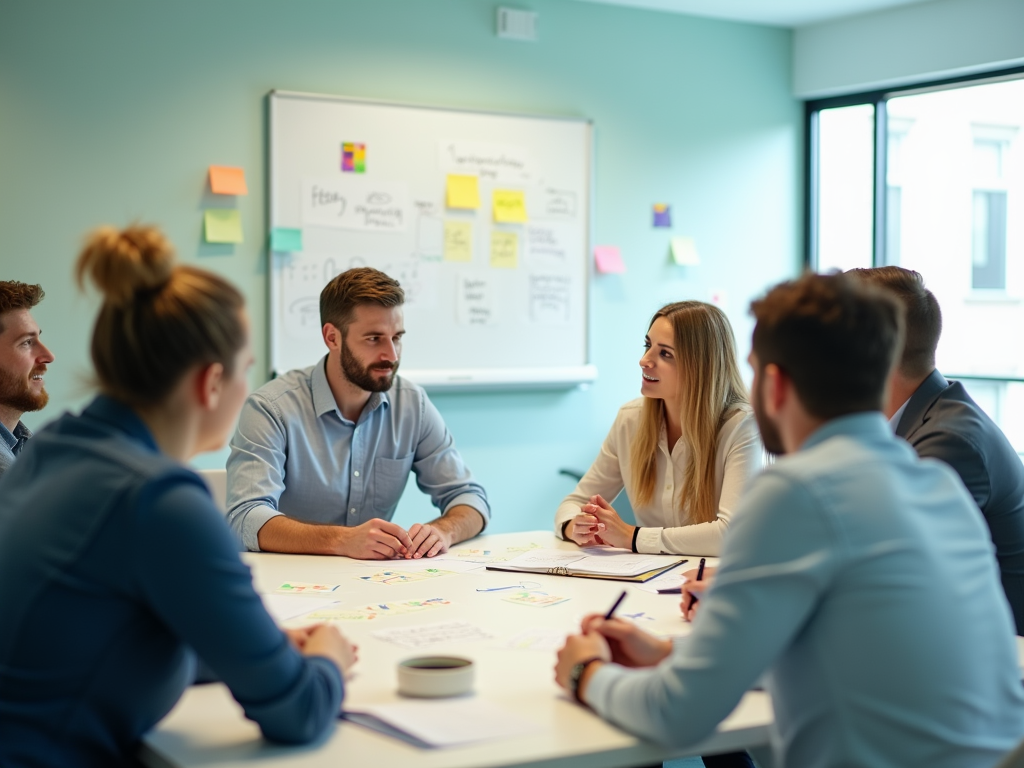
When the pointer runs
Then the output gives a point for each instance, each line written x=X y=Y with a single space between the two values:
x=662 y=215
x=286 y=240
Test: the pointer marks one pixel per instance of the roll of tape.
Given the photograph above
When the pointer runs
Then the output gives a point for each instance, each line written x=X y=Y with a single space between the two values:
x=435 y=676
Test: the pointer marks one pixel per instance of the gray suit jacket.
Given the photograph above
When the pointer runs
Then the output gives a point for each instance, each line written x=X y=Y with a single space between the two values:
x=943 y=422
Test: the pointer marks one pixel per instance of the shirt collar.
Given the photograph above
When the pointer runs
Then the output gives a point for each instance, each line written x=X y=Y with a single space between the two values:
x=894 y=422
x=8 y=438
x=123 y=418
x=323 y=397
x=866 y=424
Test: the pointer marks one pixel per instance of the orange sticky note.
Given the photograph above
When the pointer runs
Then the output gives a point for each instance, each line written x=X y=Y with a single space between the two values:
x=227 y=181
x=608 y=260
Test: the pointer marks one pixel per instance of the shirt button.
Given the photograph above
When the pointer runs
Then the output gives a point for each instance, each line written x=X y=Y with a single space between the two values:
x=356 y=473
x=353 y=510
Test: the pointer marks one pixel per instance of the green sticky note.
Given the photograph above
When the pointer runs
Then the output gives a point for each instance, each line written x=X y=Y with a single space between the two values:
x=286 y=240
x=223 y=225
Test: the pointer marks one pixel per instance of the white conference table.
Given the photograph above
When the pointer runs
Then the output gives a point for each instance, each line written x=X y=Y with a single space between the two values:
x=208 y=728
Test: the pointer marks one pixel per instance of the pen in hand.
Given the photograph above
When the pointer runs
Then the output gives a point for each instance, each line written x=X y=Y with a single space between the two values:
x=615 y=605
x=700 y=575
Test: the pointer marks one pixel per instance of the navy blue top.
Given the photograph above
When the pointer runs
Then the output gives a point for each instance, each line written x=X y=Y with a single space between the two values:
x=114 y=565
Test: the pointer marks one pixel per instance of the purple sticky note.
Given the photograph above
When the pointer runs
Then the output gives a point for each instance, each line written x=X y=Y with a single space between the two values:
x=608 y=260
x=662 y=215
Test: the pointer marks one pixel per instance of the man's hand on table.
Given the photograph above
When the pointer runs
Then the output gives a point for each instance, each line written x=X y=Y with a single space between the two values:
x=327 y=641
x=374 y=540
x=578 y=649
x=693 y=587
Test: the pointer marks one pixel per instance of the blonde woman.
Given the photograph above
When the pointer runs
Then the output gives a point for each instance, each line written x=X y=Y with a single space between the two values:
x=683 y=452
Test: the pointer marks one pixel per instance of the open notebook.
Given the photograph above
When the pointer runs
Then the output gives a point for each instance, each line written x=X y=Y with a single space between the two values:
x=591 y=563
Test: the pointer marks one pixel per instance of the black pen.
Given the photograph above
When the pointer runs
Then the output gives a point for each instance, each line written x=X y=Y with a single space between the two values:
x=700 y=575
x=611 y=610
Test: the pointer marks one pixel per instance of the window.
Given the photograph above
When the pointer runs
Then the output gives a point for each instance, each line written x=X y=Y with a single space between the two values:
x=932 y=179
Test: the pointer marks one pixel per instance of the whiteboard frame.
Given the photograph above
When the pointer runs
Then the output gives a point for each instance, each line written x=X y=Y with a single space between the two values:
x=449 y=380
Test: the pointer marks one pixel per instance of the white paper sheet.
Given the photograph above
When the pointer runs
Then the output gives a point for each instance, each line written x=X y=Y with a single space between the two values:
x=284 y=607
x=536 y=639
x=453 y=722
x=427 y=635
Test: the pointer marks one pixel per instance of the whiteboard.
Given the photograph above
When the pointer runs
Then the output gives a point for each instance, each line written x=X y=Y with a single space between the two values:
x=489 y=304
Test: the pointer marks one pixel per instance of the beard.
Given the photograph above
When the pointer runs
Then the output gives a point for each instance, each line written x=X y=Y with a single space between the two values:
x=362 y=376
x=770 y=437
x=16 y=393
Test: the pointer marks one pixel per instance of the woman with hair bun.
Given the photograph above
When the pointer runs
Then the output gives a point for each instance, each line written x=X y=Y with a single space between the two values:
x=683 y=452
x=117 y=571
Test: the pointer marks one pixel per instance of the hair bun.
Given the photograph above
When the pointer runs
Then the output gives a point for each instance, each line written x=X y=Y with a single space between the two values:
x=122 y=263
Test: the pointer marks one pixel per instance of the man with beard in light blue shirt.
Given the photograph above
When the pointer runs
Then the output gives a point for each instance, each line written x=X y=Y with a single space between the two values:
x=858 y=576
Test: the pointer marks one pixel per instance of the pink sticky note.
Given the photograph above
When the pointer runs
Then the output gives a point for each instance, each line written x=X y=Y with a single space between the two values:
x=608 y=260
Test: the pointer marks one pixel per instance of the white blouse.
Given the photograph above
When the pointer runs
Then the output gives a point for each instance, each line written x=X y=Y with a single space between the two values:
x=739 y=458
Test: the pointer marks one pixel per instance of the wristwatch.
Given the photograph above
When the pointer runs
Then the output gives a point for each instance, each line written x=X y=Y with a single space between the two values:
x=576 y=673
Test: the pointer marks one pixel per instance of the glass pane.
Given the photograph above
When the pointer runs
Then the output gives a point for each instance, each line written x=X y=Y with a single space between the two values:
x=1003 y=401
x=960 y=173
x=845 y=187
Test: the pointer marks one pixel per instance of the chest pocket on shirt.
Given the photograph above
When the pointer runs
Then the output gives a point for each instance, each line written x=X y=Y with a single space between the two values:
x=389 y=479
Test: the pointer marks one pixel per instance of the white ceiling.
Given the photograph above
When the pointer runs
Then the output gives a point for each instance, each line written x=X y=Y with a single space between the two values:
x=779 y=13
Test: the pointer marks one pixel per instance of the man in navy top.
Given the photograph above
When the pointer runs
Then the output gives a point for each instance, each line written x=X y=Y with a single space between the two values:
x=23 y=361
x=322 y=455
x=941 y=421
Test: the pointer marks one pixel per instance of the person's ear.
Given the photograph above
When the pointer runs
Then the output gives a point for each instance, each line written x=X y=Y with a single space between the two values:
x=209 y=385
x=333 y=337
x=777 y=388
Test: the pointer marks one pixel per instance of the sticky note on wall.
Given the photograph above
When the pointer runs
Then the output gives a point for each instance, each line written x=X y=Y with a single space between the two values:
x=509 y=206
x=225 y=180
x=223 y=225
x=458 y=241
x=608 y=260
x=684 y=252
x=286 y=240
x=662 y=215
x=463 y=192
x=504 y=249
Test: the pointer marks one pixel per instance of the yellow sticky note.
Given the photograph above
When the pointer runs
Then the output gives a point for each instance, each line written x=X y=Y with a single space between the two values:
x=504 y=250
x=463 y=192
x=223 y=225
x=458 y=240
x=509 y=206
x=684 y=252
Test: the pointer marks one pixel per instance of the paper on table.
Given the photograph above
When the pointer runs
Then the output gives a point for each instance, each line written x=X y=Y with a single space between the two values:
x=403 y=576
x=223 y=225
x=225 y=180
x=425 y=635
x=534 y=599
x=463 y=192
x=307 y=587
x=536 y=639
x=445 y=564
x=284 y=607
x=449 y=723
x=608 y=260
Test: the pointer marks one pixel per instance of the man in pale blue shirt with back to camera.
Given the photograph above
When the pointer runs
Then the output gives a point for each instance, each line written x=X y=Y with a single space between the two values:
x=322 y=455
x=858 y=576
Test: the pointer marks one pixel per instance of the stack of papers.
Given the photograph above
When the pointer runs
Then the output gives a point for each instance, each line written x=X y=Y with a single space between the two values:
x=597 y=562
x=443 y=723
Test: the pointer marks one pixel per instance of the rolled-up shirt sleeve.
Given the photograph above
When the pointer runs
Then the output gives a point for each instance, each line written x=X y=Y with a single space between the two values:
x=255 y=469
x=190 y=572
x=440 y=471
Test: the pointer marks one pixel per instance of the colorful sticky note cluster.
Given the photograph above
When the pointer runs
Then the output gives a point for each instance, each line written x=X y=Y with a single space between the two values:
x=463 y=192
x=286 y=240
x=608 y=260
x=458 y=240
x=225 y=180
x=223 y=225
x=504 y=249
x=353 y=157
x=684 y=252
x=662 y=215
x=509 y=206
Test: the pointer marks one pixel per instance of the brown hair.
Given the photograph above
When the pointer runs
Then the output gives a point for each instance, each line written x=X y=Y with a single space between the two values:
x=15 y=295
x=924 y=317
x=711 y=392
x=158 y=318
x=361 y=285
x=835 y=336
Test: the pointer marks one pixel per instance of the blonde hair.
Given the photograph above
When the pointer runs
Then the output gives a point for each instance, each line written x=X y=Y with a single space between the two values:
x=711 y=392
x=158 y=318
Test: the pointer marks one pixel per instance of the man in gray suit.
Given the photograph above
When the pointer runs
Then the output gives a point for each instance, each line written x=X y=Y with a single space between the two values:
x=23 y=361
x=940 y=420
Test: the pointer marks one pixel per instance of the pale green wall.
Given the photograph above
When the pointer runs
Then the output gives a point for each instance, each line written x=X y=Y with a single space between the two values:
x=111 y=111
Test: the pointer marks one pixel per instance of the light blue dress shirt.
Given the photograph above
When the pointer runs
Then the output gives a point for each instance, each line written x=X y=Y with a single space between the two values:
x=11 y=444
x=295 y=454
x=863 y=580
